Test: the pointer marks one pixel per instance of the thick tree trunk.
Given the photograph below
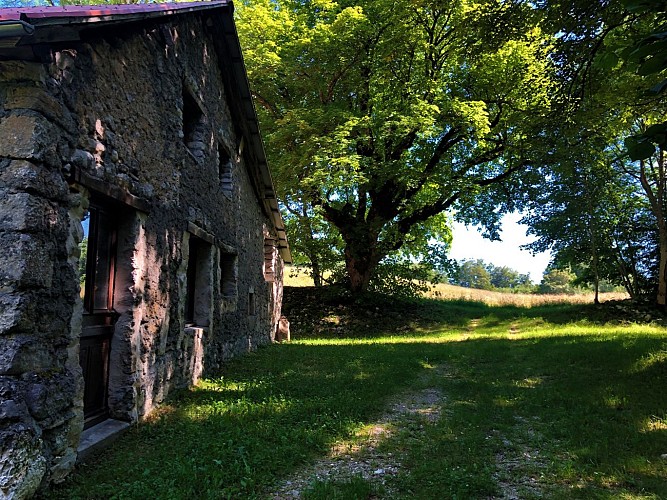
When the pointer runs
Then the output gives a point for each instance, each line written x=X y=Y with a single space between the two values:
x=360 y=261
x=359 y=271
x=360 y=232
x=592 y=226
x=316 y=273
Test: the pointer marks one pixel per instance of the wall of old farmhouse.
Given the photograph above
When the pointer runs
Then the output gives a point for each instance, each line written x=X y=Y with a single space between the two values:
x=137 y=124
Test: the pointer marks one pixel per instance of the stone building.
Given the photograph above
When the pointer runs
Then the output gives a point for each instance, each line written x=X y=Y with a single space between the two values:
x=142 y=244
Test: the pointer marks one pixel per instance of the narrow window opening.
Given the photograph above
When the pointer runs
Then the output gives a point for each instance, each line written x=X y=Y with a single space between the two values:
x=198 y=283
x=225 y=170
x=252 y=306
x=228 y=275
x=194 y=125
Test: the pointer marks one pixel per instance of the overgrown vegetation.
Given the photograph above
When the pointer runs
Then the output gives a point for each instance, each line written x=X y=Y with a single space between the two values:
x=560 y=401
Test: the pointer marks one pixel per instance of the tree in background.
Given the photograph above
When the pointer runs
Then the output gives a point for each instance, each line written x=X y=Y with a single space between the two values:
x=479 y=274
x=319 y=244
x=557 y=281
x=381 y=116
x=507 y=278
x=473 y=274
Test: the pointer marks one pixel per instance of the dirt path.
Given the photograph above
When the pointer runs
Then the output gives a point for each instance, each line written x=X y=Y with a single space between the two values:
x=360 y=456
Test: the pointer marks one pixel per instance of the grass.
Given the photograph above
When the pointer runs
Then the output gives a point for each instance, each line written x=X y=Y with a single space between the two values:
x=355 y=488
x=540 y=402
x=298 y=277
x=444 y=291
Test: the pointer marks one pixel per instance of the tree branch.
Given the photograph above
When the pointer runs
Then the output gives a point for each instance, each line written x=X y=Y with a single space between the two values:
x=266 y=104
x=503 y=176
x=405 y=224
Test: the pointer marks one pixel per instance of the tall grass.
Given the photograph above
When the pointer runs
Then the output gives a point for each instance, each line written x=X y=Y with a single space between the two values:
x=450 y=292
x=298 y=277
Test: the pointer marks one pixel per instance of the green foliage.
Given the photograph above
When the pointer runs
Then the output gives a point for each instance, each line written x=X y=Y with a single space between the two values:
x=504 y=277
x=387 y=114
x=595 y=210
x=558 y=281
x=649 y=56
x=314 y=244
x=83 y=256
x=485 y=276
x=473 y=274
x=399 y=277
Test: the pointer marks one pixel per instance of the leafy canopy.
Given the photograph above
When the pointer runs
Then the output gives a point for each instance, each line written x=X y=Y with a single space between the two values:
x=381 y=116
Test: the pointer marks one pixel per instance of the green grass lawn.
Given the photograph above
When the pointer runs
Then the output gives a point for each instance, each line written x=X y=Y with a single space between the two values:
x=532 y=404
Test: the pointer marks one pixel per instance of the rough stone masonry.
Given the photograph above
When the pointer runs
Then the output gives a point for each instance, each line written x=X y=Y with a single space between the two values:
x=139 y=248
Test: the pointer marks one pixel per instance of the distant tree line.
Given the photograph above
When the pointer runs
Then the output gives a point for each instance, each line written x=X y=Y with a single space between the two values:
x=485 y=276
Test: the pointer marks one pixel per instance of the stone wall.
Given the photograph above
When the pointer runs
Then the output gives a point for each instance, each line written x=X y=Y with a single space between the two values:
x=112 y=118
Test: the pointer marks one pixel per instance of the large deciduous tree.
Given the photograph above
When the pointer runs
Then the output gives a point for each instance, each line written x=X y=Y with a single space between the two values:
x=382 y=115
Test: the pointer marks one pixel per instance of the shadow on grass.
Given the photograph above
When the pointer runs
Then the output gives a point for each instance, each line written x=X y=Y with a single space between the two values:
x=593 y=407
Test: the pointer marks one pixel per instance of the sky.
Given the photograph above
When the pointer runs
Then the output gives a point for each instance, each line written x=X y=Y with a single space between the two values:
x=469 y=244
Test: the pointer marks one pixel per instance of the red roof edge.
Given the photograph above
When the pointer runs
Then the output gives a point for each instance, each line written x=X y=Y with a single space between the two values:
x=93 y=11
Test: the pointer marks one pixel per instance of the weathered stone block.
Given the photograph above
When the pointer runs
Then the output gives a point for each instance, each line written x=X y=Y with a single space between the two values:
x=50 y=399
x=283 y=331
x=83 y=159
x=22 y=465
x=23 y=212
x=21 y=175
x=27 y=138
x=23 y=353
x=64 y=436
x=22 y=71
x=26 y=262
x=16 y=312
x=62 y=465
x=37 y=99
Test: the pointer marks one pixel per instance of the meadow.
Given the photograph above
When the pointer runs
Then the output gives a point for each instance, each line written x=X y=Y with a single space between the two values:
x=471 y=401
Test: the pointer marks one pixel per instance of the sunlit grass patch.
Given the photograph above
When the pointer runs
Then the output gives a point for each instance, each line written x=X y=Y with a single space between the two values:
x=655 y=423
x=654 y=359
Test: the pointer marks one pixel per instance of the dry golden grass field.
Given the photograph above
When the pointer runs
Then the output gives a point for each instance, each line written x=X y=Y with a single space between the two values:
x=298 y=277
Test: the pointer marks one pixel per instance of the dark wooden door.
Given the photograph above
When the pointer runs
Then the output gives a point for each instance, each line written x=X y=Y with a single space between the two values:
x=99 y=317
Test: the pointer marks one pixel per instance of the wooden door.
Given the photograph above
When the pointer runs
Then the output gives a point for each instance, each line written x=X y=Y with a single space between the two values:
x=99 y=317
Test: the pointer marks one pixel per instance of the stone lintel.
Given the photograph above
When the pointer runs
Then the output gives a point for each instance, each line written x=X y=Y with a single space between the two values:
x=201 y=233
x=110 y=190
